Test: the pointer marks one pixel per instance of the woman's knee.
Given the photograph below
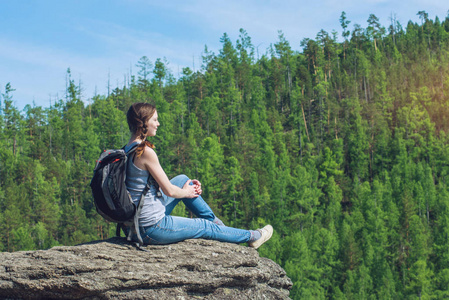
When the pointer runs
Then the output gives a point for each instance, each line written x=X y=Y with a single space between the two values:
x=179 y=180
x=182 y=176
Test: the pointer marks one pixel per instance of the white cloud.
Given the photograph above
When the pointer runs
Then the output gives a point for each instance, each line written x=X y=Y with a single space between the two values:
x=133 y=43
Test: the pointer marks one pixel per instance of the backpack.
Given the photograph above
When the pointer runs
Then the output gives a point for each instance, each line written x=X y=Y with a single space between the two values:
x=111 y=197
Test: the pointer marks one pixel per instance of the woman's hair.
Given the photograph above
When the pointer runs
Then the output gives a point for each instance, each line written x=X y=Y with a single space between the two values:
x=137 y=116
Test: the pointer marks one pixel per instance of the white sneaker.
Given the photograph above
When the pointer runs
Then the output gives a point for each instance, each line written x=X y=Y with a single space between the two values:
x=265 y=233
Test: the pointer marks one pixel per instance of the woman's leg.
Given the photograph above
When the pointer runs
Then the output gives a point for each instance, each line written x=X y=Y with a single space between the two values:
x=173 y=229
x=196 y=205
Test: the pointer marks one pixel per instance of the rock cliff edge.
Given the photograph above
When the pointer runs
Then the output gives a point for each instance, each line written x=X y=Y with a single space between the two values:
x=112 y=269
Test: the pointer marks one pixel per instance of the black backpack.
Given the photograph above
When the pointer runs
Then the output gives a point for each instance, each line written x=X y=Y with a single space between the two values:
x=112 y=200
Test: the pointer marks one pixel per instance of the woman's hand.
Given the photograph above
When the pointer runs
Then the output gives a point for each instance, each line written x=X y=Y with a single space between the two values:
x=197 y=185
x=190 y=189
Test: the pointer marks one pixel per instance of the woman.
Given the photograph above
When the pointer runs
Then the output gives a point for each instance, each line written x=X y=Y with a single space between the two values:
x=156 y=224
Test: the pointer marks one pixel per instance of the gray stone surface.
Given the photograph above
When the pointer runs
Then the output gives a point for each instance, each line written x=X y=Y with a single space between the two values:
x=112 y=269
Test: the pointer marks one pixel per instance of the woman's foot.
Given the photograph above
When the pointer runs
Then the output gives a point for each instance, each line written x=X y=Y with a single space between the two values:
x=265 y=233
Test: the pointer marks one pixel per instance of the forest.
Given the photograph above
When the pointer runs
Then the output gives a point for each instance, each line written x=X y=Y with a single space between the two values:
x=343 y=146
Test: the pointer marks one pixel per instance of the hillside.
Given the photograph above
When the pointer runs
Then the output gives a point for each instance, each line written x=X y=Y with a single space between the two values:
x=342 y=146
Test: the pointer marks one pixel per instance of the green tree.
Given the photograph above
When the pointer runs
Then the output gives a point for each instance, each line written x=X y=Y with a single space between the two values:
x=231 y=205
x=12 y=119
x=22 y=239
x=212 y=159
x=160 y=71
x=301 y=268
x=145 y=65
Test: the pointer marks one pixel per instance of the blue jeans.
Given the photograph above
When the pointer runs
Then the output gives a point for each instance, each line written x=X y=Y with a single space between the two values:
x=172 y=229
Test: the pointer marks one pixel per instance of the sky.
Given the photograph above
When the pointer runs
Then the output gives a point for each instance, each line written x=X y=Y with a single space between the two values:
x=101 y=41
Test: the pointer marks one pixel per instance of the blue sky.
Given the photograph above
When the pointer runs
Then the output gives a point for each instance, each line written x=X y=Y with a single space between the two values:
x=99 y=39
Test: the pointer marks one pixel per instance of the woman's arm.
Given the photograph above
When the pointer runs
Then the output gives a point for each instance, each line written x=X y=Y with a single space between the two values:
x=151 y=163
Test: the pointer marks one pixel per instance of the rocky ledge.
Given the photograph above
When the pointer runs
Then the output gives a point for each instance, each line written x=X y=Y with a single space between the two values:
x=113 y=269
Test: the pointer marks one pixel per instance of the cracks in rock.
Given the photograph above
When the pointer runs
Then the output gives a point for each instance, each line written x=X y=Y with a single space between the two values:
x=104 y=257
x=198 y=293
x=8 y=269
x=72 y=272
x=189 y=289
x=190 y=268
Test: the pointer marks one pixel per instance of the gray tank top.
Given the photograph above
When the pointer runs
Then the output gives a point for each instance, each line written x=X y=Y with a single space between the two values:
x=153 y=209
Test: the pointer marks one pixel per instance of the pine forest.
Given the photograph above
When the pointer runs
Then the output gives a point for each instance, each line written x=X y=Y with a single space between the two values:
x=343 y=146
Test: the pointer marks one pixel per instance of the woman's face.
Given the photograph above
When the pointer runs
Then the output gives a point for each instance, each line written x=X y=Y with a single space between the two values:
x=152 y=125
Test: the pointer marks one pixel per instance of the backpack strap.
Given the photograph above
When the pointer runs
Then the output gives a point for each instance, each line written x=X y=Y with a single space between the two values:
x=134 y=225
x=131 y=150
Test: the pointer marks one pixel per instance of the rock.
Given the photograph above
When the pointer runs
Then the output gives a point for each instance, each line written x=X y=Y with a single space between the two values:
x=113 y=269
